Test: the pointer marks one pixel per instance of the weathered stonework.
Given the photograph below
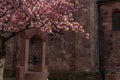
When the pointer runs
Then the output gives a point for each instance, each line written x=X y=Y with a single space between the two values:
x=110 y=39
x=76 y=56
x=76 y=53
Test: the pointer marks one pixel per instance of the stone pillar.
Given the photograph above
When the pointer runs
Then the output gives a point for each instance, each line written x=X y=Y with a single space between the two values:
x=43 y=57
x=93 y=35
x=21 y=63
x=26 y=54
x=20 y=73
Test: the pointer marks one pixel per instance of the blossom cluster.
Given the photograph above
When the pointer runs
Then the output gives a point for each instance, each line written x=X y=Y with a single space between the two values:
x=50 y=16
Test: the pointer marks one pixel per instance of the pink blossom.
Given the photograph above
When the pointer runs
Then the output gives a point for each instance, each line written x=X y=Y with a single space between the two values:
x=48 y=15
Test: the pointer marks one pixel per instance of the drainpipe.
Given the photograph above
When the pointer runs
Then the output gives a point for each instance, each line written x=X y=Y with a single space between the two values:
x=101 y=66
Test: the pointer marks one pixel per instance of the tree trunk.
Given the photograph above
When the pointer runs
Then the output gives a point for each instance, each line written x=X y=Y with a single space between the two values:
x=2 y=61
x=2 y=56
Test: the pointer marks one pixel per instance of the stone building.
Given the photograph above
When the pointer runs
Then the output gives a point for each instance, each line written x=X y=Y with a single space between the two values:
x=31 y=55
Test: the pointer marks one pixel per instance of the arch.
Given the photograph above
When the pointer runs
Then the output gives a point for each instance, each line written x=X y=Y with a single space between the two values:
x=35 y=54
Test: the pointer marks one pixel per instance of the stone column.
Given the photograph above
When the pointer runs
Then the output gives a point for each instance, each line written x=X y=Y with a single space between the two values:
x=21 y=63
x=43 y=57
x=93 y=35
x=26 y=54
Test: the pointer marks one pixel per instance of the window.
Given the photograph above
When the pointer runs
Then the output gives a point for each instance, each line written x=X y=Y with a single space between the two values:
x=34 y=54
x=116 y=20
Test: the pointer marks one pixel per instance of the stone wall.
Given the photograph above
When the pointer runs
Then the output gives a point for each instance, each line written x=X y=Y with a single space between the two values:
x=73 y=76
x=110 y=39
x=76 y=53
x=12 y=57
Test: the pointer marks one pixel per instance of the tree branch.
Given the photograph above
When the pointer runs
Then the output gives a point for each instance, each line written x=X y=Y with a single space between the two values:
x=16 y=33
x=26 y=27
x=3 y=14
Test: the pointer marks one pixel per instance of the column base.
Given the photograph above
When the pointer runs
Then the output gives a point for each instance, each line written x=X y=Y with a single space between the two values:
x=36 y=76
x=30 y=75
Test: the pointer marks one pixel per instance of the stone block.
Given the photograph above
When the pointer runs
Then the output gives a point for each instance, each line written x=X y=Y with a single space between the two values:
x=36 y=76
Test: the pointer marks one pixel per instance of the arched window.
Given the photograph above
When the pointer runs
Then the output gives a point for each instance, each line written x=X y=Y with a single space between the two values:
x=34 y=54
x=116 y=20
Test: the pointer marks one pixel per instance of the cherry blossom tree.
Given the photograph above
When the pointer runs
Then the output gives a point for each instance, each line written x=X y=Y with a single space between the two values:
x=50 y=16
